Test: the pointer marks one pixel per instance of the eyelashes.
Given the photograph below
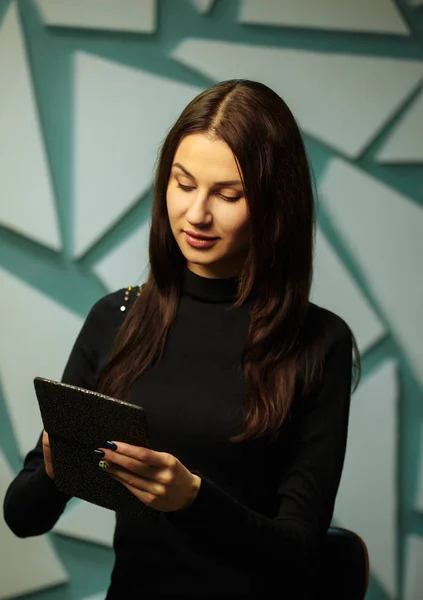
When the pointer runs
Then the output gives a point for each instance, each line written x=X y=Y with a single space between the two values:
x=189 y=188
x=186 y=188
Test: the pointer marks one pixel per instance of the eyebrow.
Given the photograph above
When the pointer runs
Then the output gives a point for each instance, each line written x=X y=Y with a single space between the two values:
x=218 y=183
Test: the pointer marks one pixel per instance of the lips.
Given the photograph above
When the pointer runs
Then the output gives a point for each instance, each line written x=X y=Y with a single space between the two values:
x=199 y=236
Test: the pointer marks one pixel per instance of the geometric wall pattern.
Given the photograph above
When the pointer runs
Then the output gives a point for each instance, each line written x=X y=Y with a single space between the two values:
x=418 y=504
x=405 y=142
x=128 y=261
x=334 y=288
x=28 y=564
x=26 y=189
x=31 y=315
x=203 y=6
x=88 y=522
x=387 y=245
x=87 y=97
x=116 y=140
x=128 y=15
x=414 y=573
x=378 y=16
x=327 y=113
x=367 y=501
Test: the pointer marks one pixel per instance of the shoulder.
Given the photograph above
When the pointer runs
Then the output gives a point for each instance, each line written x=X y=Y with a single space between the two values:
x=328 y=350
x=106 y=316
x=327 y=326
x=115 y=305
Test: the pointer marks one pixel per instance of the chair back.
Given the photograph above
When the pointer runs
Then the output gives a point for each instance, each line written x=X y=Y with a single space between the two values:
x=343 y=568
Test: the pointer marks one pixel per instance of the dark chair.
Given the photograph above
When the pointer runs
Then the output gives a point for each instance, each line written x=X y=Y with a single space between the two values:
x=343 y=567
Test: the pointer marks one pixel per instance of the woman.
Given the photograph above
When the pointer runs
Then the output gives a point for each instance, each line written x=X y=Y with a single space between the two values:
x=246 y=384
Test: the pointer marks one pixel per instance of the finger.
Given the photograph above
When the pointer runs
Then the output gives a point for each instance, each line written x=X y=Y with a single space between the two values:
x=138 y=482
x=46 y=447
x=142 y=495
x=146 y=455
x=164 y=475
x=130 y=464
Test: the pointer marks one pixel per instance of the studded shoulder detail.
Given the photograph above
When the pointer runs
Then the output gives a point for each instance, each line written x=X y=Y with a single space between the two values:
x=128 y=293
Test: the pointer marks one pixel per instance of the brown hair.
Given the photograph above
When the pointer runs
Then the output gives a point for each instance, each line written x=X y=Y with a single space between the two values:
x=263 y=135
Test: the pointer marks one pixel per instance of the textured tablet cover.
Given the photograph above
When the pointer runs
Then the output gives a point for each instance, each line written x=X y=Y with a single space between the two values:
x=78 y=421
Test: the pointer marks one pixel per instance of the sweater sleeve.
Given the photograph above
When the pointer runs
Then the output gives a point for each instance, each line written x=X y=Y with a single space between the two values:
x=32 y=504
x=306 y=493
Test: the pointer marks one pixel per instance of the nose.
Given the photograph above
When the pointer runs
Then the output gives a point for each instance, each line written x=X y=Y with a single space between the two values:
x=199 y=211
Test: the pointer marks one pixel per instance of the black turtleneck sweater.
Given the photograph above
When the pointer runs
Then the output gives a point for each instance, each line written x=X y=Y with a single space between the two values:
x=262 y=508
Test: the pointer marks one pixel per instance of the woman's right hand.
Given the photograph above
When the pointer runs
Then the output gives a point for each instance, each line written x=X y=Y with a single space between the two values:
x=47 y=456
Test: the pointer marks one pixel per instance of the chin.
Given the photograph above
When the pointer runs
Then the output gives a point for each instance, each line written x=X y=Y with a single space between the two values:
x=203 y=257
x=198 y=260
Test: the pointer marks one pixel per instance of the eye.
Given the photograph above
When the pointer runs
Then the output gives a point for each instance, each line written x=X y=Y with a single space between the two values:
x=230 y=198
x=186 y=188
x=189 y=188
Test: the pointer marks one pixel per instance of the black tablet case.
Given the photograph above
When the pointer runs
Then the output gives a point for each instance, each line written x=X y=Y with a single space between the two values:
x=78 y=421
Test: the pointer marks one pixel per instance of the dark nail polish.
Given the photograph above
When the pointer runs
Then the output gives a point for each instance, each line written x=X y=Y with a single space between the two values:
x=110 y=446
x=99 y=453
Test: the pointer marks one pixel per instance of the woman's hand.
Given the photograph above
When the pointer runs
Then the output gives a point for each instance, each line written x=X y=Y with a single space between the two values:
x=156 y=478
x=47 y=455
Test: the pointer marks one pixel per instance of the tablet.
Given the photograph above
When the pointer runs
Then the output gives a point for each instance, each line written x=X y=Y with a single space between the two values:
x=78 y=421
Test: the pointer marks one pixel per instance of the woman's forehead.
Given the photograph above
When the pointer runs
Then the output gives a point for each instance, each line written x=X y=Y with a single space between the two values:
x=206 y=157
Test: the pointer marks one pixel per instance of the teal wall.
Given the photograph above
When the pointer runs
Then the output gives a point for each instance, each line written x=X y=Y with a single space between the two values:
x=71 y=282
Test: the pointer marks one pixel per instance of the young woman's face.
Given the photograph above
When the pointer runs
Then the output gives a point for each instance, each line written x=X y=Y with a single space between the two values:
x=205 y=196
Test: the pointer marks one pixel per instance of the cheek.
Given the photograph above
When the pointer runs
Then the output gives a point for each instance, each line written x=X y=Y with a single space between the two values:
x=244 y=232
x=237 y=225
x=241 y=234
x=175 y=202
x=171 y=204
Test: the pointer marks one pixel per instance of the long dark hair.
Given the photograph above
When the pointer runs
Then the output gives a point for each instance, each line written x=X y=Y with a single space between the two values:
x=277 y=274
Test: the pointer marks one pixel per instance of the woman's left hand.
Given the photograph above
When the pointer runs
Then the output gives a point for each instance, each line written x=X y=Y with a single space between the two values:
x=158 y=479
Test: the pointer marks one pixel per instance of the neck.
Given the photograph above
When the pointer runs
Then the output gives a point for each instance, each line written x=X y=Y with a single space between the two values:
x=208 y=288
x=215 y=271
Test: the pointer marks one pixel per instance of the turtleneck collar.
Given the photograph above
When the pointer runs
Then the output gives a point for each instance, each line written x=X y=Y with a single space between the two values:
x=209 y=290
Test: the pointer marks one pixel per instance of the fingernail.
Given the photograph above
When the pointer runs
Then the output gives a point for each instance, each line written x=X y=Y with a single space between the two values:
x=103 y=464
x=110 y=445
x=99 y=453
